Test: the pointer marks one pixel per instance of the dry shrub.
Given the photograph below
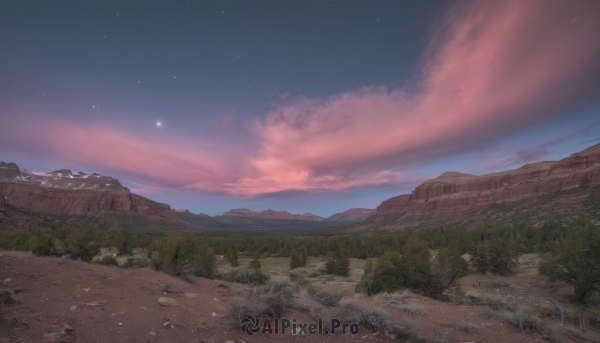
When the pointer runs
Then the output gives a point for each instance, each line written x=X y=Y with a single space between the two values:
x=523 y=318
x=377 y=318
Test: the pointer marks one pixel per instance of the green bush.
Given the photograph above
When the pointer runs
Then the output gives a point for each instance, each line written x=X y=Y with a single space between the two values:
x=248 y=276
x=337 y=266
x=109 y=260
x=181 y=254
x=82 y=244
x=136 y=263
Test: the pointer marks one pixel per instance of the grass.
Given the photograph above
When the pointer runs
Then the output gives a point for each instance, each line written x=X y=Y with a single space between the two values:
x=377 y=318
x=496 y=303
x=523 y=318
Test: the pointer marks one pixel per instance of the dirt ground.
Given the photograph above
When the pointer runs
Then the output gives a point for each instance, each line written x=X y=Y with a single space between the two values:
x=59 y=300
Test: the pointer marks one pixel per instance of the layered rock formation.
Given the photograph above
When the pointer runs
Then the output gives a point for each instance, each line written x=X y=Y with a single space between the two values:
x=454 y=194
x=60 y=179
x=89 y=203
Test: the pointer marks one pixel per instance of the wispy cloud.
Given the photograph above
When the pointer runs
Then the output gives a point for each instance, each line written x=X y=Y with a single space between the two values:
x=535 y=153
x=492 y=67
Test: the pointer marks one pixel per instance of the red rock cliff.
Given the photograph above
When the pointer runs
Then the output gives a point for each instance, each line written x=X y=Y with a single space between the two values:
x=455 y=193
x=65 y=202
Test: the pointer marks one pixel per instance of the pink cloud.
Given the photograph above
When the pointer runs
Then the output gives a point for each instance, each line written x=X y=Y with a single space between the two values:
x=157 y=160
x=492 y=68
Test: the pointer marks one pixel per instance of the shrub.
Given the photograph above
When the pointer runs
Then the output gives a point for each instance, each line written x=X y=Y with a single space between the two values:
x=136 y=263
x=180 y=254
x=314 y=274
x=249 y=276
x=337 y=266
x=411 y=309
x=377 y=318
x=109 y=261
x=523 y=318
x=496 y=303
x=276 y=296
x=411 y=269
x=447 y=266
x=240 y=309
x=327 y=314
x=576 y=261
x=464 y=326
x=325 y=298
x=81 y=244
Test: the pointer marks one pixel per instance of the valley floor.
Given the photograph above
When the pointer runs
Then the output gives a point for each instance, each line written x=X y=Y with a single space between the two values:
x=60 y=300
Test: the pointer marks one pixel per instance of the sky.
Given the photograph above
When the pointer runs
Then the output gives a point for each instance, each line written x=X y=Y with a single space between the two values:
x=304 y=106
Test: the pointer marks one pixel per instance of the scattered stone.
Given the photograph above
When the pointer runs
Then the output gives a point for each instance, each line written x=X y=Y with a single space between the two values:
x=7 y=280
x=7 y=296
x=93 y=303
x=190 y=295
x=73 y=308
x=67 y=329
x=163 y=301
x=214 y=314
x=152 y=333
x=120 y=324
x=166 y=324
x=172 y=288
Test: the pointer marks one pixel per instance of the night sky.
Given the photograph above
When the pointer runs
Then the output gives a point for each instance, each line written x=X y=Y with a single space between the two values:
x=304 y=106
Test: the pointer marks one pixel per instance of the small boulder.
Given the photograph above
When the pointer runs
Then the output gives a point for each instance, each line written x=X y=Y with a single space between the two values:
x=172 y=288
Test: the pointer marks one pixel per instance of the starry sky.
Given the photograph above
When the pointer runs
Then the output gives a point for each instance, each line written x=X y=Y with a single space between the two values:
x=304 y=106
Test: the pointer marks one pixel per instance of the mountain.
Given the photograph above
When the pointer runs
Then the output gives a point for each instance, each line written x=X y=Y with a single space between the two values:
x=243 y=217
x=246 y=217
x=63 y=193
x=351 y=215
x=542 y=186
x=60 y=179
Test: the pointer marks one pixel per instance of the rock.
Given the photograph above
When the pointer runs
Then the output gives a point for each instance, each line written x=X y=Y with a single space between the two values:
x=172 y=288
x=67 y=329
x=190 y=295
x=453 y=194
x=7 y=296
x=73 y=308
x=87 y=203
x=152 y=333
x=164 y=301
x=214 y=314
x=7 y=280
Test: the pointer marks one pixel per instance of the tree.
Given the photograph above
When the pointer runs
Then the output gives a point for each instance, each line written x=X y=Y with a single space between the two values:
x=181 y=254
x=447 y=266
x=295 y=260
x=576 y=261
x=481 y=259
x=411 y=269
x=232 y=256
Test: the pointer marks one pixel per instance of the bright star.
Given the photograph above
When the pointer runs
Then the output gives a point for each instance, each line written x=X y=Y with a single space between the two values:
x=158 y=124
